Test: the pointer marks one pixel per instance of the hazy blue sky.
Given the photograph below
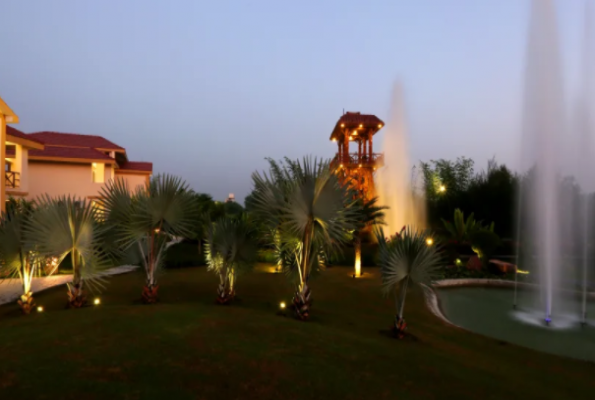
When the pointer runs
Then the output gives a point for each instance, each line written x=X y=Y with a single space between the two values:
x=208 y=89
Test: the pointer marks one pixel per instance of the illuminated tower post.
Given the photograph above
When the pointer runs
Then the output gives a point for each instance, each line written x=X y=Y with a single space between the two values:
x=357 y=169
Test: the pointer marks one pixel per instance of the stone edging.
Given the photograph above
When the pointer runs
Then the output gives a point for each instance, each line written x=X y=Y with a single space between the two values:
x=11 y=289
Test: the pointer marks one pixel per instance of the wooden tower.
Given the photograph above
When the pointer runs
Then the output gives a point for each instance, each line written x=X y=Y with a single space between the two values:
x=358 y=168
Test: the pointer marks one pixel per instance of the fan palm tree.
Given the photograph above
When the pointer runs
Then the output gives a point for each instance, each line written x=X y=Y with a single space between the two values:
x=410 y=258
x=66 y=226
x=230 y=251
x=312 y=211
x=147 y=220
x=15 y=259
x=370 y=215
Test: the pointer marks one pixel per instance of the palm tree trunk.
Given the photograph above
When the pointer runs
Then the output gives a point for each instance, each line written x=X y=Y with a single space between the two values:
x=150 y=291
x=26 y=301
x=76 y=297
x=224 y=292
x=302 y=300
x=403 y=297
x=358 y=255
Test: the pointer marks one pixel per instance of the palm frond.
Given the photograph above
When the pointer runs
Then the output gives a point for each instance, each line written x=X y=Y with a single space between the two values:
x=231 y=245
x=409 y=256
x=66 y=226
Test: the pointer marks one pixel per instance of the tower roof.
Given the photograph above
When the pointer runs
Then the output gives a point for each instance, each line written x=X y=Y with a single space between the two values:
x=351 y=121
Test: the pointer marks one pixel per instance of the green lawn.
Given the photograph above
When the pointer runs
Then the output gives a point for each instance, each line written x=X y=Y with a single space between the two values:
x=187 y=347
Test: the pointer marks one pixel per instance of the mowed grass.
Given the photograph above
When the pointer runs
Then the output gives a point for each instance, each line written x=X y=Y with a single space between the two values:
x=187 y=347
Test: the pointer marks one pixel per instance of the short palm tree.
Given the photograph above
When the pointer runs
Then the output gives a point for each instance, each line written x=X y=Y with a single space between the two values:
x=230 y=251
x=370 y=215
x=16 y=260
x=409 y=258
x=314 y=214
x=147 y=220
x=65 y=226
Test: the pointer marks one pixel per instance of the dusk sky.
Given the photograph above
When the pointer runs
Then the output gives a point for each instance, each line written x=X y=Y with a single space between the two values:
x=208 y=89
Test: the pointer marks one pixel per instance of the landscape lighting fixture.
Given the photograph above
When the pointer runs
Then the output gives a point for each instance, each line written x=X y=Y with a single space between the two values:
x=282 y=305
x=429 y=241
x=442 y=188
x=40 y=309
x=97 y=301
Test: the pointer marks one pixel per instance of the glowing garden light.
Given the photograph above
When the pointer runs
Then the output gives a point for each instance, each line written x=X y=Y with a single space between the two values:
x=429 y=241
x=442 y=189
x=282 y=305
x=522 y=272
x=97 y=301
x=40 y=309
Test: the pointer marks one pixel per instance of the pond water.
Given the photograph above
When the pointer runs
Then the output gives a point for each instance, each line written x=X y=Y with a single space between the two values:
x=489 y=311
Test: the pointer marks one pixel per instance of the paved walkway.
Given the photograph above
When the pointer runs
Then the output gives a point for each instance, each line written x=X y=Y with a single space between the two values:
x=11 y=289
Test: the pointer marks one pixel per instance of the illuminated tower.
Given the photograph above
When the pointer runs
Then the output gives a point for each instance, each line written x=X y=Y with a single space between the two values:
x=357 y=169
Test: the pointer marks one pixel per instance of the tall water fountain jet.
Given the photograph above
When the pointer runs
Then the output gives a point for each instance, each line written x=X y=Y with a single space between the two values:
x=586 y=165
x=540 y=211
x=394 y=183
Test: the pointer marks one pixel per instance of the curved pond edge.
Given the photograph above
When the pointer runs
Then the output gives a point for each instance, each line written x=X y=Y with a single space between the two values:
x=433 y=302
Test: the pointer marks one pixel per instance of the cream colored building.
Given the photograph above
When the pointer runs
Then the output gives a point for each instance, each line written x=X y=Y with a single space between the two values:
x=7 y=116
x=57 y=164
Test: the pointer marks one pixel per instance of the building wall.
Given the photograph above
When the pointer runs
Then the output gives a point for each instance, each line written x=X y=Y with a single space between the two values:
x=134 y=181
x=57 y=179
x=2 y=157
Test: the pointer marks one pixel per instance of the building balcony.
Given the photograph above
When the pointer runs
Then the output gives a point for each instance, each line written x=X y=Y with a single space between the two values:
x=356 y=160
x=12 y=179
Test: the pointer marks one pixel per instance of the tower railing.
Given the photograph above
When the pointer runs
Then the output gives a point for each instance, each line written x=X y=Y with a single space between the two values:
x=353 y=160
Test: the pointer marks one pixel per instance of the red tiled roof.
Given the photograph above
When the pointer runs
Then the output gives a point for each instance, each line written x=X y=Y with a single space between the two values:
x=70 y=152
x=74 y=140
x=354 y=120
x=16 y=133
x=136 y=166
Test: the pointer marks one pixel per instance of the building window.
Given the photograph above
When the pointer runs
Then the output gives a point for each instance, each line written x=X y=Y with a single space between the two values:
x=6 y=166
x=98 y=171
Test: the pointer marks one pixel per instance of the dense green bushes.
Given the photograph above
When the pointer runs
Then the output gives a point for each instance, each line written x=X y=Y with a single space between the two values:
x=184 y=254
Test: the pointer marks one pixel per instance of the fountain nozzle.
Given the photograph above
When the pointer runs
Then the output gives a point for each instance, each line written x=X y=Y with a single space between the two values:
x=547 y=321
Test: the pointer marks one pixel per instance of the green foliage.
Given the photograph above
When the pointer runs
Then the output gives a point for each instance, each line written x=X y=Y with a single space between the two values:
x=465 y=273
x=484 y=242
x=454 y=176
x=182 y=255
x=370 y=214
x=65 y=226
x=21 y=206
x=230 y=249
x=147 y=220
x=405 y=259
x=308 y=214
x=462 y=230
x=490 y=195
x=16 y=260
